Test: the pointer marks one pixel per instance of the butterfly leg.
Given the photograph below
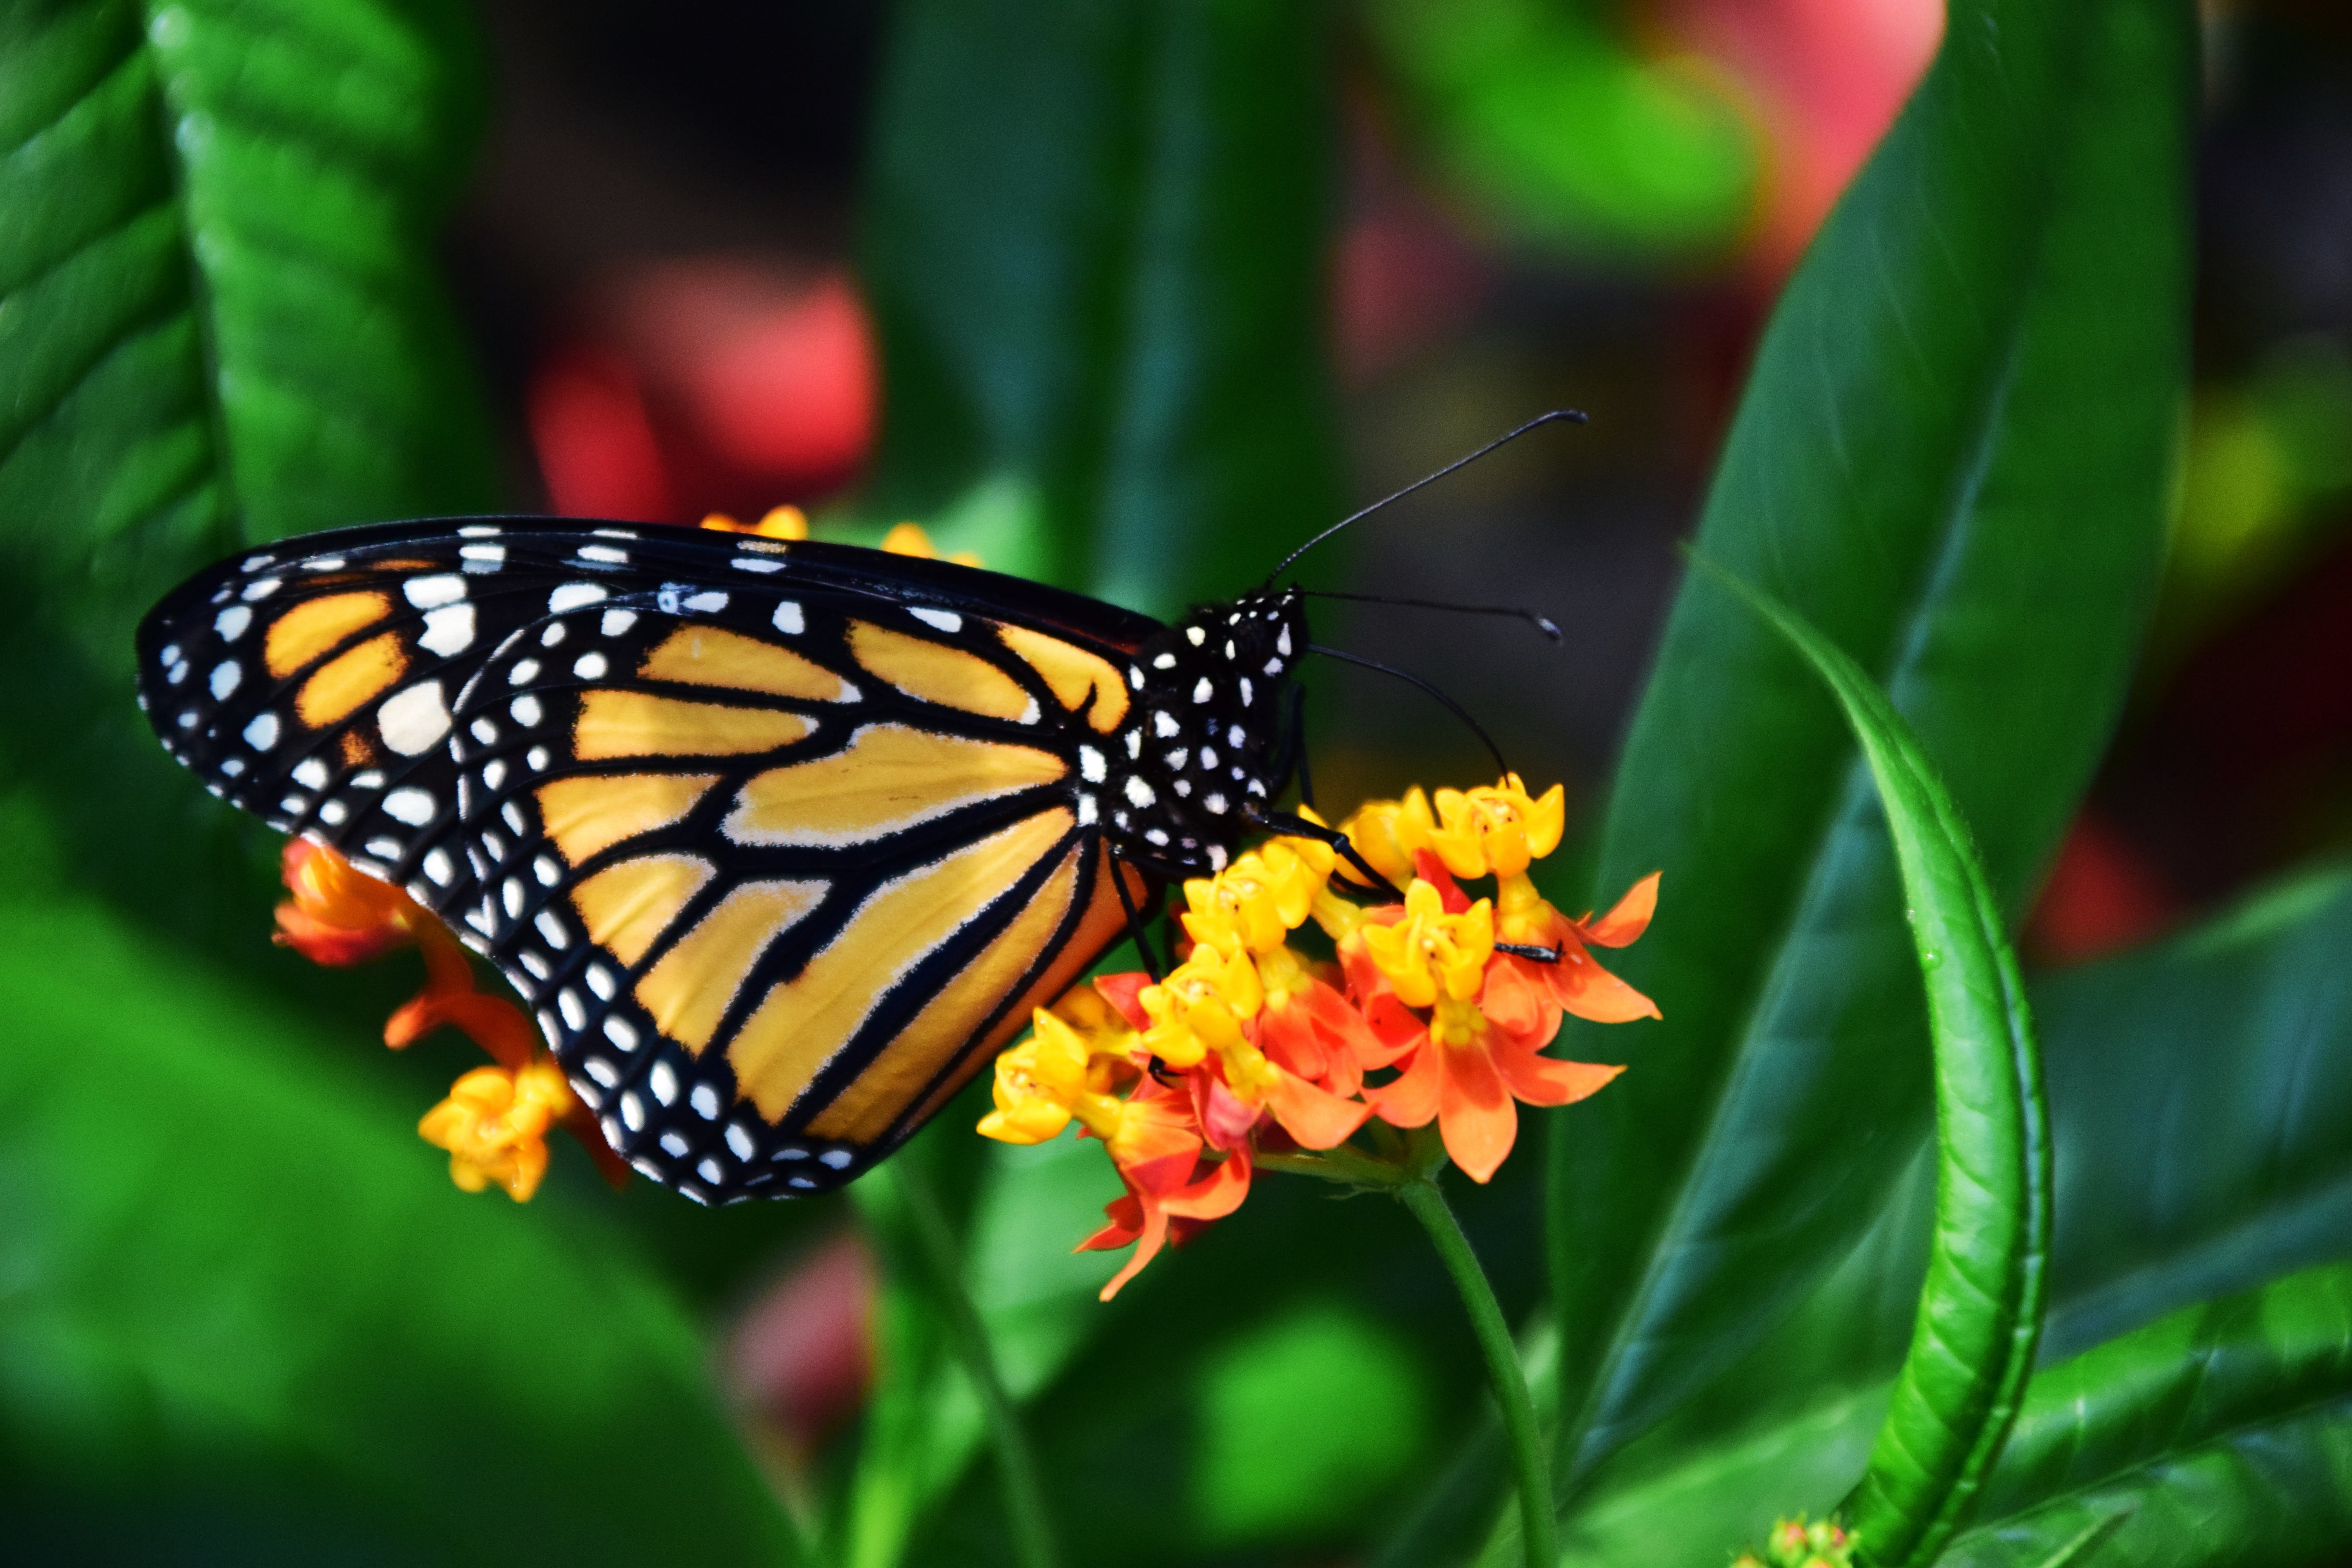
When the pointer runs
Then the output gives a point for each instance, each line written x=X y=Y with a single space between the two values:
x=1135 y=928
x=1299 y=828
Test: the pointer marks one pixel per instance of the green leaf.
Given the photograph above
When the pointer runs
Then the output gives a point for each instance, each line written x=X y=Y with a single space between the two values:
x=220 y=323
x=2238 y=1033
x=247 y=1317
x=2219 y=1433
x=1951 y=457
x=1095 y=251
x=1980 y=1310
x=218 y=317
x=1564 y=131
x=2203 y=1096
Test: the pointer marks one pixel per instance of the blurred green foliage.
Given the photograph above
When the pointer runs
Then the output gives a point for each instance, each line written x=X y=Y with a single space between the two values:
x=244 y=1315
x=1562 y=131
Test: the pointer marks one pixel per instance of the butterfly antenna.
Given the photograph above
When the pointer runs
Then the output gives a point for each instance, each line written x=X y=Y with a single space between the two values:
x=1544 y=624
x=1411 y=679
x=1572 y=415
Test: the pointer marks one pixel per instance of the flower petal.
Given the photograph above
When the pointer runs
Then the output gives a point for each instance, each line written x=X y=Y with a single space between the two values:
x=1475 y=1112
x=1316 y=1116
x=1410 y=1100
x=1549 y=1080
x=1629 y=919
x=1214 y=1195
x=1147 y=1246
x=1589 y=991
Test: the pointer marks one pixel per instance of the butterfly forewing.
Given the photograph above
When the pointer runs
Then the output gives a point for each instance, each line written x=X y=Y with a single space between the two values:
x=779 y=842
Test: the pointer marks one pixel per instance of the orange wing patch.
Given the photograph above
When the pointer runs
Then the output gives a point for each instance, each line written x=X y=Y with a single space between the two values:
x=1103 y=919
x=865 y=1109
x=689 y=990
x=338 y=688
x=307 y=630
x=806 y=1021
x=587 y=816
x=639 y=724
x=889 y=778
x=1073 y=673
x=626 y=908
x=934 y=672
x=706 y=656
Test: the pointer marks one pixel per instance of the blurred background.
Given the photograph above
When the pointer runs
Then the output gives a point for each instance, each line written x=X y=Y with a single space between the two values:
x=1543 y=204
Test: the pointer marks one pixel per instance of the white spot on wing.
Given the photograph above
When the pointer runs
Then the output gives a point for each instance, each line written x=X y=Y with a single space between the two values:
x=231 y=623
x=262 y=733
x=432 y=593
x=616 y=622
x=225 y=675
x=409 y=805
x=945 y=620
x=572 y=595
x=589 y=666
x=312 y=775
x=789 y=620
x=414 y=721
x=448 y=629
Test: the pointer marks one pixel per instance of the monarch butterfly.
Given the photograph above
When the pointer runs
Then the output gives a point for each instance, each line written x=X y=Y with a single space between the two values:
x=781 y=840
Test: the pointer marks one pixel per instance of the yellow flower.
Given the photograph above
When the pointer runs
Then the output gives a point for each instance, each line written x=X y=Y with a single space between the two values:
x=1200 y=1006
x=1252 y=905
x=1430 y=951
x=495 y=1124
x=1387 y=832
x=1496 y=829
x=908 y=539
x=782 y=522
x=1063 y=1069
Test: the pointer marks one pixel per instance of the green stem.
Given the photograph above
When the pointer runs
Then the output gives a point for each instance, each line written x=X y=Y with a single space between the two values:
x=1536 y=1526
x=1024 y=1496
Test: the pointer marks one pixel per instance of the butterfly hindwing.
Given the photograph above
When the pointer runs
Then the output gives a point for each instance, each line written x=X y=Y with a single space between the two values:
x=805 y=854
x=779 y=842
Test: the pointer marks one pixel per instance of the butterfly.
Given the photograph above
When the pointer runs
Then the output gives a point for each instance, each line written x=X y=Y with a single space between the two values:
x=781 y=840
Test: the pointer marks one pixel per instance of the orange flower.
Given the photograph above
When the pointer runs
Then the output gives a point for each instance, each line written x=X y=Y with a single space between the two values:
x=1576 y=983
x=495 y=1121
x=1246 y=1052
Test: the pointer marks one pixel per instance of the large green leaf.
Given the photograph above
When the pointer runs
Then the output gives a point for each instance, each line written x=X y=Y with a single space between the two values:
x=219 y=323
x=247 y=1318
x=1951 y=458
x=2203 y=1093
x=2219 y=1433
x=2239 y=1033
x=1980 y=1310
x=1094 y=250
x=218 y=315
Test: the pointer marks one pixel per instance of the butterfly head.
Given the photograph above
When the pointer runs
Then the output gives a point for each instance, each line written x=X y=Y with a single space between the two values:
x=1210 y=736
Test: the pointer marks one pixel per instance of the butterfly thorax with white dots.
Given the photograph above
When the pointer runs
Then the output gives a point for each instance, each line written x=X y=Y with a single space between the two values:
x=1209 y=739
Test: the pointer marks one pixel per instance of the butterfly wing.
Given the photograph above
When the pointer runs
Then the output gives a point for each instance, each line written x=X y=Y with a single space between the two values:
x=779 y=841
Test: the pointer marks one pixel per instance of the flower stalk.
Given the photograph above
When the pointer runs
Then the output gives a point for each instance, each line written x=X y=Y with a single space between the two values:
x=1529 y=1465
x=967 y=1336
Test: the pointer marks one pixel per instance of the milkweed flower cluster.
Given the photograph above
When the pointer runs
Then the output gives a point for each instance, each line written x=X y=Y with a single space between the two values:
x=1793 y=1543
x=1436 y=1009
x=495 y=1121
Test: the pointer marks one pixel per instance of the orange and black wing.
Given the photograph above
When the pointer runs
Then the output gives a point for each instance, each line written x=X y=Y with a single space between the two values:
x=779 y=841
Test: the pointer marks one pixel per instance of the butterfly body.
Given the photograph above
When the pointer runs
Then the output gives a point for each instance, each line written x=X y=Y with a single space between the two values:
x=780 y=840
